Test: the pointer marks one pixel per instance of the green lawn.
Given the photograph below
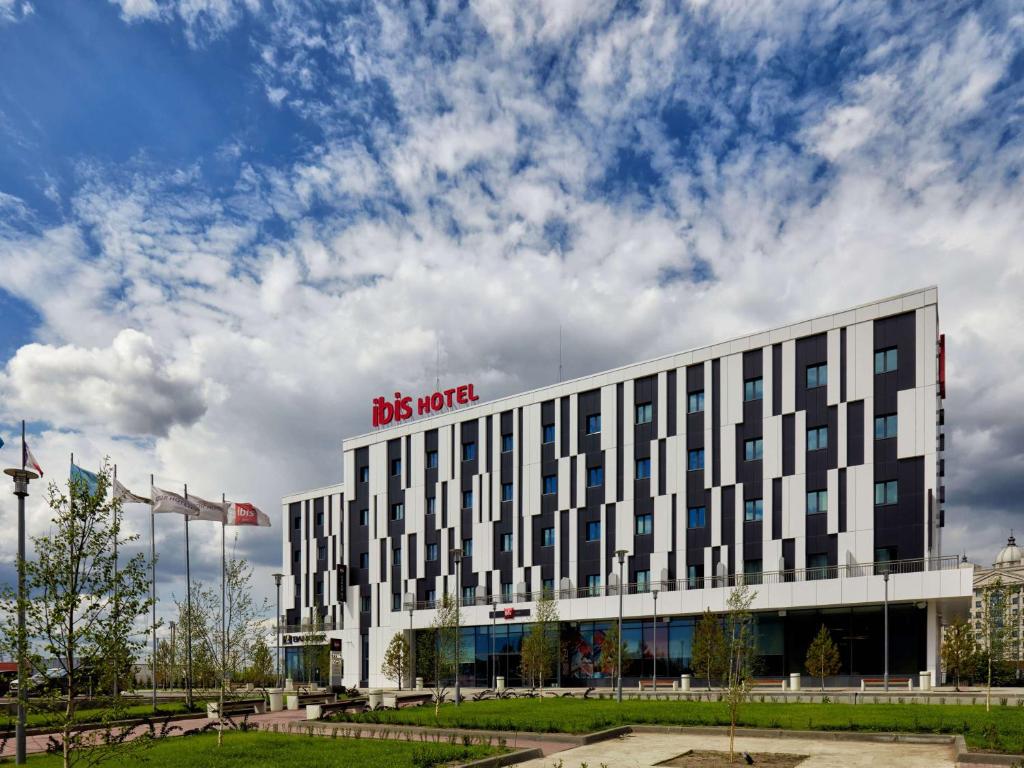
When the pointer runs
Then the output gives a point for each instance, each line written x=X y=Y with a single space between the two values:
x=272 y=750
x=1001 y=730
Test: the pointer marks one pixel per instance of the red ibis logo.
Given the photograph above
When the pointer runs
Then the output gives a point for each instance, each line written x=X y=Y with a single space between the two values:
x=510 y=613
x=245 y=514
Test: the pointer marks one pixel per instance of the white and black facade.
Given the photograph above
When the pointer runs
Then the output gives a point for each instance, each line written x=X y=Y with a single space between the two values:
x=802 y=460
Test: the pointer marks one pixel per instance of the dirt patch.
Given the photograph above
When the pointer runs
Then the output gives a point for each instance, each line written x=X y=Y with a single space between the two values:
x=699 y=758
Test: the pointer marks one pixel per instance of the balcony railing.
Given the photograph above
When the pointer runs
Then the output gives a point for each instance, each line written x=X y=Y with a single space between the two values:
x=893 y=567
x=307 y=626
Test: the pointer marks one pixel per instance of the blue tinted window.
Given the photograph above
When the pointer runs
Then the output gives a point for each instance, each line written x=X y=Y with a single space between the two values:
x=817 y=375
x=695 y=402
x=506 y=443
x=550 y=484
x=695 y=459
x=696 y=517
x=753 y=510
x=644 y=524
x=468 y=451
x=593 y=424
x=593 y=531
x=643 y=469
x=549 y=433
x=595 y=476
x=506 y=491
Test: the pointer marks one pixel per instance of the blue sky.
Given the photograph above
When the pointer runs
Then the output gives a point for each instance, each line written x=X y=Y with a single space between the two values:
x=219 y=208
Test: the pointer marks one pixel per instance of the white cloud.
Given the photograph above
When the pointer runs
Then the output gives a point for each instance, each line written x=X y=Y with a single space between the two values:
x=139 y=10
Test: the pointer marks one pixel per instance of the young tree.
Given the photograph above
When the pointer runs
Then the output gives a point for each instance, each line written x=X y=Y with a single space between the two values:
x=995 y=621
x=540 y=646
x=610 y=650
x=316 y=652
x=397 y=660
x=261 y=669
x=446 y=639
x=70 y=616
x=741 y=647
x=708 y=654
x=959 y=650
x=822 y=656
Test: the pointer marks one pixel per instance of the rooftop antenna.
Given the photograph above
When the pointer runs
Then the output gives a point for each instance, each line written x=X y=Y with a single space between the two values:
x=559 y=353
x=437 y=364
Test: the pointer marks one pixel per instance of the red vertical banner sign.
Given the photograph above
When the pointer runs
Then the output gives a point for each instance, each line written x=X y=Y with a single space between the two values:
x=942 y=365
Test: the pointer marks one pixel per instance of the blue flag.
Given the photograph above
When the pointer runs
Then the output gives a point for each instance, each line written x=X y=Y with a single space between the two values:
x=87 y=477
x=1 y=442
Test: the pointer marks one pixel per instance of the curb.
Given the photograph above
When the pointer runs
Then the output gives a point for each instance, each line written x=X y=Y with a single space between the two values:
x=779 y=733
x=511 y=758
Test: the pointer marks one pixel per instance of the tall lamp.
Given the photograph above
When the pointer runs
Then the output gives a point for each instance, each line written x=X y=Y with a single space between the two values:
x=457 y=556
x=277 y=655
x=621 y=555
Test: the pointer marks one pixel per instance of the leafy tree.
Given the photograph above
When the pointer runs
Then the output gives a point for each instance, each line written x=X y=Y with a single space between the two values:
x=610 y=651
x=446 y=639
x=995 y=641
x=261 y=668
x=71 y=616
x=708 y=654
x=316 y=653
x=822 y=656
x=540 y=646
x=959 y=650
x=397 y=661
x=741 y=647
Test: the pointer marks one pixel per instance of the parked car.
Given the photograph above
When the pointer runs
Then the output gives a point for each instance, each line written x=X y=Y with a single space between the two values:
x=54 y=678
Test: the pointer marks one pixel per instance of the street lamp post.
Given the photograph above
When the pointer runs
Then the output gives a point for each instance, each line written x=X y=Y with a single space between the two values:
x=411 y=606
x=277 y=654
x=174 y=658
x=494 y=629
x=654 y=677
x=621 y=554
x=22 y=477
x=457 y=555
x=885 y=676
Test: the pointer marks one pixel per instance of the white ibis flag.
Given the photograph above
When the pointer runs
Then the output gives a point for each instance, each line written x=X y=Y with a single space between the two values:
x=243 y=513
x=125 y=496
x=209 y=510
x=169 y=501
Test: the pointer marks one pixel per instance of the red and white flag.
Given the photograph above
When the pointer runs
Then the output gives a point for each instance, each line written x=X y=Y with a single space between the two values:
x=243 y=513
x=29 y=461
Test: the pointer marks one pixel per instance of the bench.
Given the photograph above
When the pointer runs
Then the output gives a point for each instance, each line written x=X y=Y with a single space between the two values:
x=236 y=707
x=415 y=700
x=306 y=699
x=320 y=711
x=660 y=684
x=764 y=682
x=873 y=681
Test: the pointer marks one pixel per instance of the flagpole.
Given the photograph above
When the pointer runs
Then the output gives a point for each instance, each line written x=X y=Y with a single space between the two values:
x=152 y=545
x=223 y=627
x=188 y=634
x=117 y=628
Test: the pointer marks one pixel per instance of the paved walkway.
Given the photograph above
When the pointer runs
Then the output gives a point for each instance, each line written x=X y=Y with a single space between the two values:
x=645 y=750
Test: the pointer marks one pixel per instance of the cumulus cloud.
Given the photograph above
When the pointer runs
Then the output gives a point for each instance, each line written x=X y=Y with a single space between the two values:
x=127 y=387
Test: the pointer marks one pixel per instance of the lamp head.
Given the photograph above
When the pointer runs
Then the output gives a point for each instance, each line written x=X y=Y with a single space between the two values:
x=457 y=555
x=277 y=578
x=621 y=554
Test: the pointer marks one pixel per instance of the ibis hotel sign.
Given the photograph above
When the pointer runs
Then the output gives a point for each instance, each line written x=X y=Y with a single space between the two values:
x=400 y=407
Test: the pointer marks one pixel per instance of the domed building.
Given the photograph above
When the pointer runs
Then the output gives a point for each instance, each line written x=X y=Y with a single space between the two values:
x=1003 y=584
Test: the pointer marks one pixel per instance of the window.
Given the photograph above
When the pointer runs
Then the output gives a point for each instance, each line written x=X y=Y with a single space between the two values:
x=695 y=459
x=884 y=555
x=550 y=484
x=396 y=467
x=753 y=389
x=886 y=493
x=753 y=510
x=753 y=450
x=364 y=474
x=396 y=601
x=549 y=433
x=817 y=438
x=547 y=537
x=751 y=571
x=593 y=424
x=467 y=547
x=885 y=426
x=817 y=502
x=321 y=552
x=396 y=556
x=468 y=451
x=319 y=587
x=364 y=517
x=320 y=518
x=644 y=524
x=817 y=375
x=594 y=584
x=506 y=591
x=886 y=360
x=468 y=595
x=297 y=523
x=364 y=559
x=398 y=511
x=506 y=491
x=506 y=542
x=643 y=469
x=643 y=581
x=467 y=499
x=644 y=413
x=431 y=595
x=696 y=517
x=695 y=402
x=506 y=443
x=364 y=603
x=547 y=586
x=431 y=505
x=594 y=530
x=432 y=553
x=595 y=476
x=295 y=556
x=431 y=459
x=694 y=575
x=817 y=567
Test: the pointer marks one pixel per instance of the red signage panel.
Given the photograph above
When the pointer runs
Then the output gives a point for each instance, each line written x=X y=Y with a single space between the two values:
x=400 y=407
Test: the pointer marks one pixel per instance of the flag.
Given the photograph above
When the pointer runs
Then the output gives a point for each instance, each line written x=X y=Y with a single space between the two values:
x=85 y=476
x=169 y=501
x=125 y=496
x=243 y=513
x=1 y=442
x=209 y=510
x=29 y=461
